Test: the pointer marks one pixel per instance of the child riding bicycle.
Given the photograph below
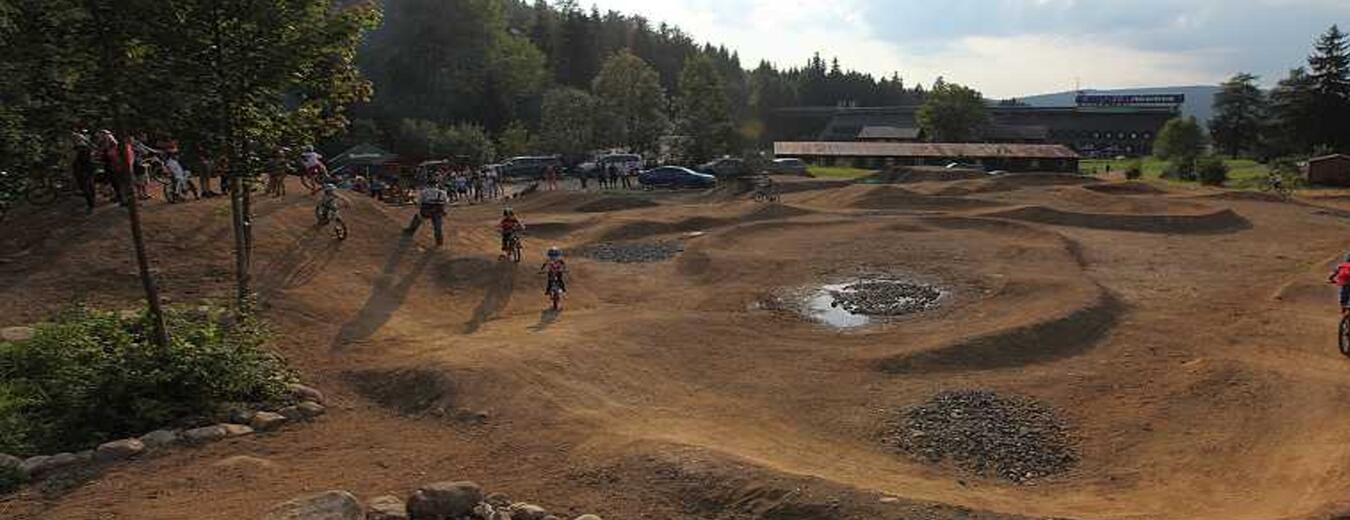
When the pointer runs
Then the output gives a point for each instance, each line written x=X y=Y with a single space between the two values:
x=1341 y=277
x=556 y=269
x=510 y=228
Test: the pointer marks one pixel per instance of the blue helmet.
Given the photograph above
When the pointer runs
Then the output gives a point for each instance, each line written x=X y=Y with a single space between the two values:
x=554 y=252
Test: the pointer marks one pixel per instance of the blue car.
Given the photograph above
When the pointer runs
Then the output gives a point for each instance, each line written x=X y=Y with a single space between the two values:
x=675 y=177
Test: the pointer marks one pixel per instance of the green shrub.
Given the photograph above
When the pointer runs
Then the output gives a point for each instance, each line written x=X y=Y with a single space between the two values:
x=1211 y=171
x=10 y=479
x=90 y=377
x=1134 y=169
x=1180 y=168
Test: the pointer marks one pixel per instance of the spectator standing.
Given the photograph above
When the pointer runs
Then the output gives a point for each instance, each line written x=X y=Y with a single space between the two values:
x=431 y=203
x=82 y=167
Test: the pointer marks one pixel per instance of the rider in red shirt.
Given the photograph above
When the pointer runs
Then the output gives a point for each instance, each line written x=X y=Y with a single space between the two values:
x=556 y=268
x=509 y=226
x=1341 y=277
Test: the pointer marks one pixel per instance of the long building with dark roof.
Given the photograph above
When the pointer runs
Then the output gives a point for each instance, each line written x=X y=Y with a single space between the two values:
x=1090 y=130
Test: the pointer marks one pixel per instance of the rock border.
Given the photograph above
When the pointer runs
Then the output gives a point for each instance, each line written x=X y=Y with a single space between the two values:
x=458 y=500
x=243 y=422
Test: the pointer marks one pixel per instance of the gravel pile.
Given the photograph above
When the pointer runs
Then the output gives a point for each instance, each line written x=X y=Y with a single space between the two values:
x=886 y=297
x=631 y=252
x=1009 y=437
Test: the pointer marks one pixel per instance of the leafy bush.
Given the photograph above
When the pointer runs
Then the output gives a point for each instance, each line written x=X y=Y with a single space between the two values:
x=1211 y=170
x=1134 y=169
x=10 y=479
x=90 y=377
x=1180 y=168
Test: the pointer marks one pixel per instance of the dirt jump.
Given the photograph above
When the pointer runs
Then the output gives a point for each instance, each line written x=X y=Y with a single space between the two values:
x=1074 y=349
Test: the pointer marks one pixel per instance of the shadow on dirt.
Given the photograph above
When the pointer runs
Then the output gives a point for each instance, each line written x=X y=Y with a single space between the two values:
x=497 y=296
x=385 y=297
x=410 y=391
x=1057 y=338
x=303 y=259
x=546 y=318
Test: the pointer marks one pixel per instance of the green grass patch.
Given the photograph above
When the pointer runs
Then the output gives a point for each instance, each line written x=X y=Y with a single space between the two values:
x=1242 y=173
x=89 y=377
x=838 y=172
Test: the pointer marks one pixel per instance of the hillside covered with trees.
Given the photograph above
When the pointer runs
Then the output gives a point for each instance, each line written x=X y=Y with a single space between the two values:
x=452 y=77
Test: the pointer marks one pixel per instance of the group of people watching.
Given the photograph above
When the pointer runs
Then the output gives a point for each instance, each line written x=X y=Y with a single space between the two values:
x=611 y=177
x=127 y=165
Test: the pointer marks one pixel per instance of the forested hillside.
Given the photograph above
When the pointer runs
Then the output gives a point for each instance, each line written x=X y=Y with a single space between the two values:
x=454 y=76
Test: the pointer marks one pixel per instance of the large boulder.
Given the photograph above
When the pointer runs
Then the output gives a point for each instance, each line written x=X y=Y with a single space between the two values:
x=305 y=393
x=386 y=508
x=303 y=411
x=236 y=430
x=16 y=333
x=524 y=511
x=329 y=505
x=267 y=421
x=205 y=434
x=444 y=501
x=34 y=465
x=588 y=517
x=160 y=439
x=119 y=450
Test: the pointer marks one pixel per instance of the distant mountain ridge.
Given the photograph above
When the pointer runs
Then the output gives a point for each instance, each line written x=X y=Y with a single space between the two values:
x=1199 y=98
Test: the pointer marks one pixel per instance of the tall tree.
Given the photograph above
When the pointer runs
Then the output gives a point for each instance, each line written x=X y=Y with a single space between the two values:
x=568 y=125
x=952 y=113
x=704 y=117
x=1329 y=68
x=254 y=76
x=1180 y=139
x=632 y=104
x=1294 y=120
x=1240 y=110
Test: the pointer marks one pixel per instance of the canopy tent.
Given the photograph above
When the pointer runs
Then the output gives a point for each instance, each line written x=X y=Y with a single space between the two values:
x=362 y=159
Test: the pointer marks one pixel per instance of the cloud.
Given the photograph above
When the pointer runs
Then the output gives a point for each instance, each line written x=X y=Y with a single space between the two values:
x=1010 y=48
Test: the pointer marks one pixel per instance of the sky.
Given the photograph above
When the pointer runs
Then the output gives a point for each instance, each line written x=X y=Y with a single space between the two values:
x=1011 y=48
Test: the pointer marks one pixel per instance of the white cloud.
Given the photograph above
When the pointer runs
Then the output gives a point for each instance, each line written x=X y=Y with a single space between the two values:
x=787 y=32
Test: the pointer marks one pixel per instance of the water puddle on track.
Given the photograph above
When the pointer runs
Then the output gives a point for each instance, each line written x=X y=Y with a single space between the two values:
x=865 y=301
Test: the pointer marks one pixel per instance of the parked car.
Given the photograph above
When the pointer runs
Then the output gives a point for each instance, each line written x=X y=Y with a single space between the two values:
x=675 y=177
x=726 y=167
x=788 y=167
x=624 y=161
x=529 y=167
x=964 y=166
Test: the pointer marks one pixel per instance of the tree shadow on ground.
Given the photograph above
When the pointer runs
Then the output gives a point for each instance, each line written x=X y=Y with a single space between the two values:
x=386 y=296
x=302 y=260
x=495 y=298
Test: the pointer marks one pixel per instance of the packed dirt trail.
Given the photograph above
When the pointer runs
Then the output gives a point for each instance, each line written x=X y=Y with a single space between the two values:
x=1188 y=336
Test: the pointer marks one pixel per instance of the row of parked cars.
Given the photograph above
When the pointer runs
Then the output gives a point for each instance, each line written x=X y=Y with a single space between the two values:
x=704 y=175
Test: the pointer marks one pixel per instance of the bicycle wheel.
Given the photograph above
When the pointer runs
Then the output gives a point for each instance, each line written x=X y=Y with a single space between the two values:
x=40 y=194
x=310 y=182
x=339 y=229
x=515 y=251
x=1344 y=336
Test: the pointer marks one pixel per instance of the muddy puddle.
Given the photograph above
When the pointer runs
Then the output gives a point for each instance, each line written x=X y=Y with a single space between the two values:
x=865 y=301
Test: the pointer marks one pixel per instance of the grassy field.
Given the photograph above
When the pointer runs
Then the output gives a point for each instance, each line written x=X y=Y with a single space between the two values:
x=1242 y=173
x=838 y=172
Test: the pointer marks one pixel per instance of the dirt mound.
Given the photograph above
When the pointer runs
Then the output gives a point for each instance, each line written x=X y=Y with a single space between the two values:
x=896 y=198
x=551 y=229
x=774 y=212
x=912 y=174
x=1253 y=196
x=1040 y=179
x=608 y=204
x=1218 y=222
x=410 y=391
x=1011 y=437
x=1064 y=336
x=648 y=228
x=796 y=186
x=1125 y=188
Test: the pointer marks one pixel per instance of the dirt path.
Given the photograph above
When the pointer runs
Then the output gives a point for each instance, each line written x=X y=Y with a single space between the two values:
x=1188 y=340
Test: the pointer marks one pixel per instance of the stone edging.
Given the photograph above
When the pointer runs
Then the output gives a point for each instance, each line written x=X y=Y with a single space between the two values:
x=241 y=423
x=435 y=501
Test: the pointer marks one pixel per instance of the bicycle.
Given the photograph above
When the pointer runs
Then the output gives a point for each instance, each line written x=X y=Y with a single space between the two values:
x=513 y=247
x=327 y=213
x=1279 y=185
x=1344 y=334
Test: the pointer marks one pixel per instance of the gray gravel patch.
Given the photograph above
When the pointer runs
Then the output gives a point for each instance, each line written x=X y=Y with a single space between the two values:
x=1014 y=438
x=631 y=252
x=886 y=297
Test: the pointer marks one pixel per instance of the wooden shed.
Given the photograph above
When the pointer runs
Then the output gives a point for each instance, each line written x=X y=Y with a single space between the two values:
x=1329 y=170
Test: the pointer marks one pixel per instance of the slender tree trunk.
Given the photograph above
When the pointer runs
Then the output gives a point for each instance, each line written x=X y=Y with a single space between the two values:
x=241 y=268
x=159 y=332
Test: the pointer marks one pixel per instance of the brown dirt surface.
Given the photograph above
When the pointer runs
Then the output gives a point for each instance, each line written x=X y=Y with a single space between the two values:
x=1188 y=344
